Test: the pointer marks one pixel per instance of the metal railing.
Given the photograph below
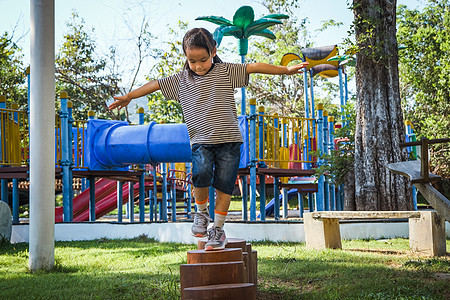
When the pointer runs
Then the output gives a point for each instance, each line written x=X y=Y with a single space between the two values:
x=285 y=142
x=14 y=150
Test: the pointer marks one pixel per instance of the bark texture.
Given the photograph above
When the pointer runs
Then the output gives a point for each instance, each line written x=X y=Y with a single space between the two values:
x=379 y=123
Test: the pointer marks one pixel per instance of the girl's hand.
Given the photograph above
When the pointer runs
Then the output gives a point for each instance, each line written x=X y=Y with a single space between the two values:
x=120 y=102
x=297 y=68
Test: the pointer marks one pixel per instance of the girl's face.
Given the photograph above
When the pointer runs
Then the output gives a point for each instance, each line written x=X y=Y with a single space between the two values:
x=199 y=60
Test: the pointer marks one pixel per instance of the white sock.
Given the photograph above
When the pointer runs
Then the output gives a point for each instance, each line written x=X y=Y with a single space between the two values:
x=202 y=205
x=219 y=218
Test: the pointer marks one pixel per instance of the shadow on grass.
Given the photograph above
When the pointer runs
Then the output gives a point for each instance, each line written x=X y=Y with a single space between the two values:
x=346 y=277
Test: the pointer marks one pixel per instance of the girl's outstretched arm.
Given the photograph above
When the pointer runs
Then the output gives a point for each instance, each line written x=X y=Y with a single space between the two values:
x=275 y=70
x=146 y=89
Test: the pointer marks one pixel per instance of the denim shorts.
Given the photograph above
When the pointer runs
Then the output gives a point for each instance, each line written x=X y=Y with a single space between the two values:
x=216 y=165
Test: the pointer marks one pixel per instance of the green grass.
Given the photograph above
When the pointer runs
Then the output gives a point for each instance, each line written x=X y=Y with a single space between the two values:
x=145 y=269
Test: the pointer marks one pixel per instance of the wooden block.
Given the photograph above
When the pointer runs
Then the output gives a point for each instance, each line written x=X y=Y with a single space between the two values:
x=236 y=291
x=246 y=258
x=254 y=270
x=427 y=234
x=321 y=233
x=211 y=273
x=224 y=255
x=231 y=243
x=248 y=248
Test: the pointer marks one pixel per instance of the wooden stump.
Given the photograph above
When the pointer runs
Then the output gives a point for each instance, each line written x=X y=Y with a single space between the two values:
x=211 y=273
x=236 y=291
x=224 y=255
x=229 y=273
x=254 y=268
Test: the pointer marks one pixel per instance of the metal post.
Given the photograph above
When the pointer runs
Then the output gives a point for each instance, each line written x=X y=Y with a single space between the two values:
x=188 y=192
x=173 y=195
x=66 y=147
x=91 y=198
x=131 y=202
x=4 y=182
x=15 y=203
x=119 y=201
x=320 y=199
x=163 y=213
x=285 y=202
x=244 y=197
x=243 y=105
x=42 y=135
x=276 y=197
x=253 y=159
x=301 y=198
x=341 y=92
x=155 y=192
x=71 y=164
x=212 y=202
x=326 y=138
x=330 y=148
x=141 y=177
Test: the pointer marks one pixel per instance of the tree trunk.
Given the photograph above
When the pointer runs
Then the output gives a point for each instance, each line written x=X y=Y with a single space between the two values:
x=379 y=120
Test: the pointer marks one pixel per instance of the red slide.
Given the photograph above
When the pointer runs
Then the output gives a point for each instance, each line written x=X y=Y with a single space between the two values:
x=105 y=201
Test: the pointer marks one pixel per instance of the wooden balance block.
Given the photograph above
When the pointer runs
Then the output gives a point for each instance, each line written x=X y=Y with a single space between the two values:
x=249 y=256
x=220 y=274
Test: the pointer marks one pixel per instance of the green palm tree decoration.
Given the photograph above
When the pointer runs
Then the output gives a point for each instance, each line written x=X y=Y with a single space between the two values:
x=243 y=26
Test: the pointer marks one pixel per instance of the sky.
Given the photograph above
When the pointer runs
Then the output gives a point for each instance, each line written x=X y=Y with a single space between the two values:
x=116 y=20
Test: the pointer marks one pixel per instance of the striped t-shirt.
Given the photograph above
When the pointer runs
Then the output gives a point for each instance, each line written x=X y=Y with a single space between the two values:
x=207 y=102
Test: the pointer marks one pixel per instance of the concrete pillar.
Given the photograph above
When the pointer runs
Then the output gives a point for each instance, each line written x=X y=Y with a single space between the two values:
x=427 y=234
x=321 y=233
x=42 y=135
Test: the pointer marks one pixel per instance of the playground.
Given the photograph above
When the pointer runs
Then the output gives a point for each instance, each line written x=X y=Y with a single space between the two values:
x=109 y=202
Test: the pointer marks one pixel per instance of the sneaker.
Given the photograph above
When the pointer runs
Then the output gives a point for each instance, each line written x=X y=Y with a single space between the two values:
x=201 y=222
x=216 y=239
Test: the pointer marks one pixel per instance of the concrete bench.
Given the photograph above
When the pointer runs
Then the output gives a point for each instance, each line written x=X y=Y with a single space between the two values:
x=426 y=229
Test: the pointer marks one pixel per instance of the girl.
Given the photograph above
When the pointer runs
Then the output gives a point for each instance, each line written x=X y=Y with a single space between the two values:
x=205 y=90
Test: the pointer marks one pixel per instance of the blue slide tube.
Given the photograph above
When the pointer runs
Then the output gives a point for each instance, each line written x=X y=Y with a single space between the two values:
x=114 y=145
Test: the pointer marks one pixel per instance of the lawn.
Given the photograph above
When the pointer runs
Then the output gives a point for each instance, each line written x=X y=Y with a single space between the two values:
x=145 y=269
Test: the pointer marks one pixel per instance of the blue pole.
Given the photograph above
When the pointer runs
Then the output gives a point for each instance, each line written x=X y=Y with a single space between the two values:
x=155 y=192
x=311 y=202
x=4 y=182
x=119 y=201
x=341 y=92
x=15 y=203
x=15 y=188
x=91 y=198
x=131 y=201
x=262 y=177
x=188 y=192
x=305 y=86
x=66 y=147
x=163 y=214
x=326 y=138
x=276 y=196
x=285 y=202
x=320 y=199
x=330 y=148
x=301 y=198
x=244 y=197
x=71 y=163
x=313 y=114
x=141 y=177
x=243 y=105
x=212 y=202
x=253 y=159
x=174 y=195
